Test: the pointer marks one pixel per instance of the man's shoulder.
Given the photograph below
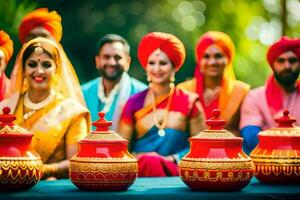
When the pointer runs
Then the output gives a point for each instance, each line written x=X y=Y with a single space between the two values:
x=89 y=85
x=259 y=91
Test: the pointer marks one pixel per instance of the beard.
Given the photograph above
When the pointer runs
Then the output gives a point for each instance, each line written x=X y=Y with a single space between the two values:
x=119 y=69
x=287 y=78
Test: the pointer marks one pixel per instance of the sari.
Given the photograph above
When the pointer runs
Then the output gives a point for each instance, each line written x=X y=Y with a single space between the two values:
x=61 y=122
x=230 y=112
x=185 y=119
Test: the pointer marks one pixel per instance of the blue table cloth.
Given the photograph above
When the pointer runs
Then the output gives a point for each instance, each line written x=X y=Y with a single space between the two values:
x=153 y=188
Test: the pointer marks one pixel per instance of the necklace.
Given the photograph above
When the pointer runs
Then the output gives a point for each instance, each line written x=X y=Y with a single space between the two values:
x=161 y=126
x=36 y=106
x=111 y=97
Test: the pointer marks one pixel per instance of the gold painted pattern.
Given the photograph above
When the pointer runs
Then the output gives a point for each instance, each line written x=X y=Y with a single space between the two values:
x=128 y=159
x=215 y=134
x=219 y=176
x=282 y=155
x=217 y=165
x=104 y=136
x=276 y=162
x=13 y=129
x=277 y=169
x=109 y=172
x=223 y=171
x=20 y=171
x=294 y=131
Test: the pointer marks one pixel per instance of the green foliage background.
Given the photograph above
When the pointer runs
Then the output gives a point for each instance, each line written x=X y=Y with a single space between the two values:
x=252 y=24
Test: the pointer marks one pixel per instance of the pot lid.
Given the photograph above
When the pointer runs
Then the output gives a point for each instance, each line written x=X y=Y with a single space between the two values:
x=215 y=129
x=285 y=127
x=7 y=127
x=102 y=132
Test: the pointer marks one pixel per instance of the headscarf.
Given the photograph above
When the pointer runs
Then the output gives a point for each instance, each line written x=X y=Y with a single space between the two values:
x=166 y=42
x=224 y=42
x=51 y=21
x=66 y=81
x=6 y=45
x=274 y=93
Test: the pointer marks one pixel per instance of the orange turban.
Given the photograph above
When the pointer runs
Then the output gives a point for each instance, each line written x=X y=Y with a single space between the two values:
x=51 y=21
x=220 y=39
x=6 y=45
x=168 y=43
x=281 y=46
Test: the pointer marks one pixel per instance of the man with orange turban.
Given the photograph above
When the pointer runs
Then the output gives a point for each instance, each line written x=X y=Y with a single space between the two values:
x=158 y=121
x=214 y=79
x=6 y=51
x=282 y=91
x=41 y=23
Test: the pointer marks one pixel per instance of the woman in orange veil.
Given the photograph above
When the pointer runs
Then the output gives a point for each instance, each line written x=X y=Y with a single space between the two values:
x=46 y=100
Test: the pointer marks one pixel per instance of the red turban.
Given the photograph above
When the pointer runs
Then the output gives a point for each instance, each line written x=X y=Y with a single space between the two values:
x=6 y=45
x=51 y=21
x=168 y=43
x=281 y=46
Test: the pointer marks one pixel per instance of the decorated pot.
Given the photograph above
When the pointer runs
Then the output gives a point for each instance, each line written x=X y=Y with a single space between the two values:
x=103 y=162
x=20 y=167
x=216 y=161
x=277 y=155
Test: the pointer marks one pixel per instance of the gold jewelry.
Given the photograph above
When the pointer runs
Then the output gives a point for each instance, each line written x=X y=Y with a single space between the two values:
x=38 y=49
x=161 y=126
x=149 y=82
x=148 y=79
x=172 y=80
x=36 y=106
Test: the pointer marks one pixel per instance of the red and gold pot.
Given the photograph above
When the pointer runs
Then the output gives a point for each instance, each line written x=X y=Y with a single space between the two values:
x=20 y=167
x=103 y=162
x=277 y=155
x=216 y=161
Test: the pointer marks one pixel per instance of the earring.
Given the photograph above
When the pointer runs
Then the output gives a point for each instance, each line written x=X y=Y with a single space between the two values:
x=149 y=81
x=172 y=80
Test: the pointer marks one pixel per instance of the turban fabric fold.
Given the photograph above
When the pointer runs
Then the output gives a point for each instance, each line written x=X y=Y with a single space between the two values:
x=284 y=44
x=6 y=45
x=166 y=42
x=41 y=17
